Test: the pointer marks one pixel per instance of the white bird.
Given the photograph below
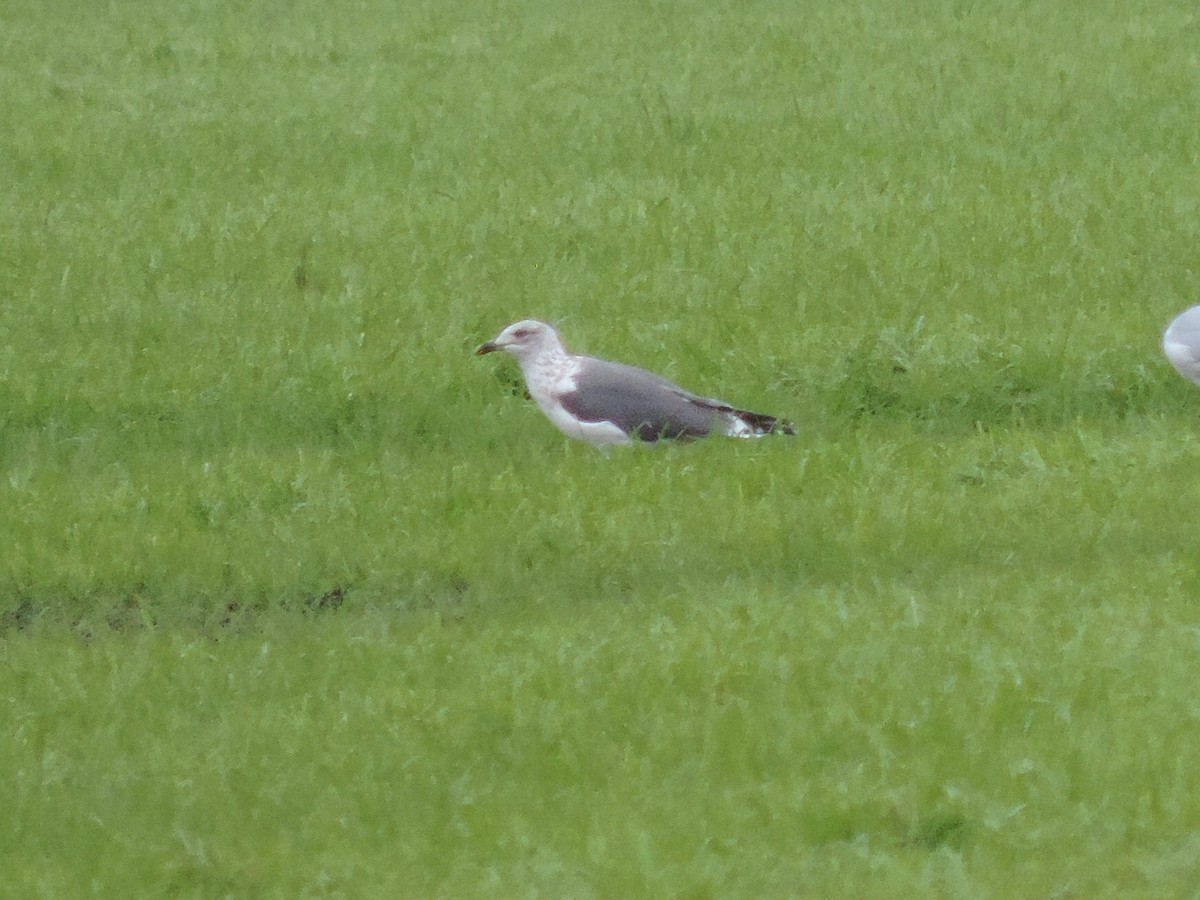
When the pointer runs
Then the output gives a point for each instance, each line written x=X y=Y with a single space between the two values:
x=1181 y=344
x=608 y=403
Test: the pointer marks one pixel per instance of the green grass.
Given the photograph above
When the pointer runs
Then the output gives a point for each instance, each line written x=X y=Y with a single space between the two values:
x=299 y=598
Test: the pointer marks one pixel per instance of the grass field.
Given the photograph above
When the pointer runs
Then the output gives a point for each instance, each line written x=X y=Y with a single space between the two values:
x=298 y=598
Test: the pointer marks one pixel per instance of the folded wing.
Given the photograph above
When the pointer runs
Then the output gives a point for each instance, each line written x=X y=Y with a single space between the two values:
x=649 y=407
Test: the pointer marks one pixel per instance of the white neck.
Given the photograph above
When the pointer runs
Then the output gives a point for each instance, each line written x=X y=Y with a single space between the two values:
x=548 y=373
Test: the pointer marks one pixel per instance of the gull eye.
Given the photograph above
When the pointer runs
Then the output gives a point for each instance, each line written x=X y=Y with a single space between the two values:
x=521 y=333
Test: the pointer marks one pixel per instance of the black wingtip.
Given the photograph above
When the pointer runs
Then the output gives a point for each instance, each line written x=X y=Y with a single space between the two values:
x=761 y=423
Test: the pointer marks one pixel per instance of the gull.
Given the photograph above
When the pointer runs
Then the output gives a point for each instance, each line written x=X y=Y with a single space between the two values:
x=607 y=403
x=1181 y=344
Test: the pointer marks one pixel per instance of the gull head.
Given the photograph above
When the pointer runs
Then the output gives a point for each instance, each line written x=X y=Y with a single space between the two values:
x=526 y=339
x=1181 y=344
